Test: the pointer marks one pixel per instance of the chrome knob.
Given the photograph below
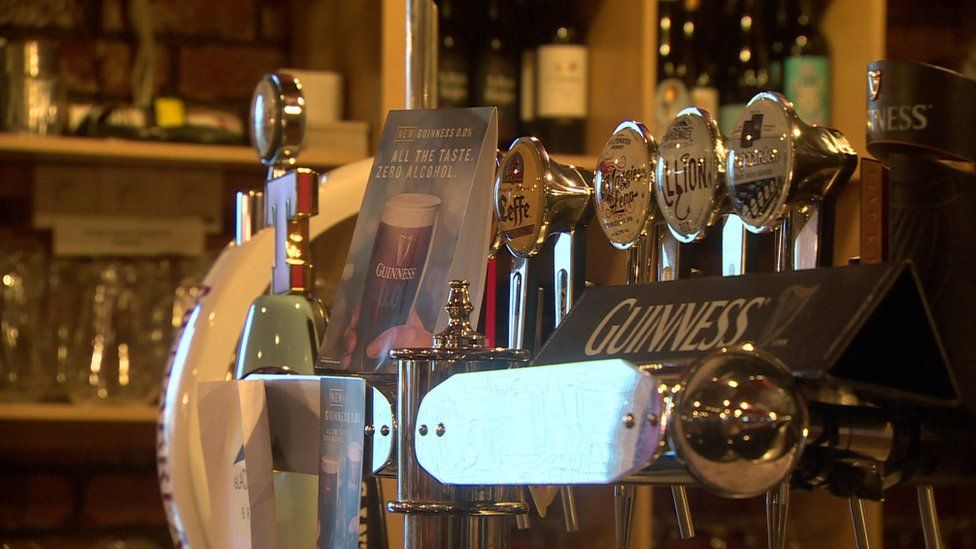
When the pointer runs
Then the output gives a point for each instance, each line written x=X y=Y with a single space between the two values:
x=738 y=422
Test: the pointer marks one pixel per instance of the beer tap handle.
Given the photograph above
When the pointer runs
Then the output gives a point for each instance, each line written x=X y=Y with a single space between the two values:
x=566 y=261
x=567 y=497
x=669 y=256
x=521 y=302
x=930 y=518
x=859 y=519
x=624 y=500
x=777 y=514
x=642 y=258
x=734 y=248
x=806 y=238
x=669 y=268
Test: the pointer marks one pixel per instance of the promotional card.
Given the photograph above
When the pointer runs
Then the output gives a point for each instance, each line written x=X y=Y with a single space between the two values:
x=425 y=220
x=341 y=461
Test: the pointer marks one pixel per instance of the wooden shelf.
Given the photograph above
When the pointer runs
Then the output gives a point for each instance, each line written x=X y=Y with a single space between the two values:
x=77 y=413
x=114 y=150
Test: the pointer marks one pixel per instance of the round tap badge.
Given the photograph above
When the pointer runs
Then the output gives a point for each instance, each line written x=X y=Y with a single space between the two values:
x=688 y=173
x=760 y=161
x=623 y=183
x=520 y=193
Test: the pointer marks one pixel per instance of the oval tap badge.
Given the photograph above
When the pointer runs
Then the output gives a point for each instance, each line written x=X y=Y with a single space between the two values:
x=760 y=161
x=624 y=182
x=688 y=173
x=520 y=193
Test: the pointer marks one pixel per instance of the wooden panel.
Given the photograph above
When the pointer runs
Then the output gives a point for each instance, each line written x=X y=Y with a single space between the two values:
x=855 y=30
x=345 y=37
x=621 y=38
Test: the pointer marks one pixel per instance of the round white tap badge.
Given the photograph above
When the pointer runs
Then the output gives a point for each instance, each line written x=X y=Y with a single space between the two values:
x=688 y=174
x=623 y=183
x=760 y=161
x=520 y=193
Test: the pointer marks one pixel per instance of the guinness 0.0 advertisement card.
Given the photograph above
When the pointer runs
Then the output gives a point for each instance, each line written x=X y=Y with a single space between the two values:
x=425 y=219
x=343 y=413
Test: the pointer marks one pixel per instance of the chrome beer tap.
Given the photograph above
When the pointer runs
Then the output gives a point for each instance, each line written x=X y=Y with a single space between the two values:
x=781 y=171
x=624 y=192
x=536 y=197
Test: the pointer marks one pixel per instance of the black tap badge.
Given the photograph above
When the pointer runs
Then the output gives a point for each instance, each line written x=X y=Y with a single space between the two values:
x=760 y=163
x=343 y=424
x=623 y=183
x=424 y=220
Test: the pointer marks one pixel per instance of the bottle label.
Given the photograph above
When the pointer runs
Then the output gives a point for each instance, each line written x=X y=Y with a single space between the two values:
x=452 y=88
x=497 y=86
x=807 y=85
x=670 y=97
x=687 y=175
x=623 y=180
x=760 y=163
x=562 y=86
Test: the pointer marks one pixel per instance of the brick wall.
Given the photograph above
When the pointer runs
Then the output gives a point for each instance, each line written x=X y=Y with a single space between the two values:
x=208 y=52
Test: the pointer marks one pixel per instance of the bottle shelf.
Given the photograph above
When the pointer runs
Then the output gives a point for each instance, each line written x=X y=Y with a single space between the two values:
x=115 y=150
x=56 y=412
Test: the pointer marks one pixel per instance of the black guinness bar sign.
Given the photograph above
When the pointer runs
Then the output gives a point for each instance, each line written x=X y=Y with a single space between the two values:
x=868 y=325
x=916 y=108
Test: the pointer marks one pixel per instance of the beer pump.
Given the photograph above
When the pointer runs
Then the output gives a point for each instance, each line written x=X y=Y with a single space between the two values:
x=781 y=171
x=283 y=329
x=535 y=198
x=624 y=190
x=290 y=199
x=438 y=516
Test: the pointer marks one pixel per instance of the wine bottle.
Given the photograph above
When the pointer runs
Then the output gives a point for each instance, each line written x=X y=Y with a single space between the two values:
x=496 y=72
x=750 y=67
x=530 y=14
x=806 y=71
x=700 y=29
x=561 y=84
x=671 y=94
x=778 y=25
x=453 y=63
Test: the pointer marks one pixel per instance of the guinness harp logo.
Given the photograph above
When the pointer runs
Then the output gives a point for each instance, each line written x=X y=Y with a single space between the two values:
x=874 y=83
x=403 y=245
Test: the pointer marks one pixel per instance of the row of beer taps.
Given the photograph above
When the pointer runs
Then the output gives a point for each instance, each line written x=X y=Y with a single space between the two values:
x=773 y=174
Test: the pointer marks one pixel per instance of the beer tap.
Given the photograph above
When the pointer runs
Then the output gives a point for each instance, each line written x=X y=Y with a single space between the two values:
x=282 y=330
x=624 y=190
x=781 y=171
x=290 y=199
x=535 y=198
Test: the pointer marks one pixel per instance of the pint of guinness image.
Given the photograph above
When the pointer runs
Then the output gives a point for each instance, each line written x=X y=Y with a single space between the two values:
x=396 y=268
x=328 y=499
